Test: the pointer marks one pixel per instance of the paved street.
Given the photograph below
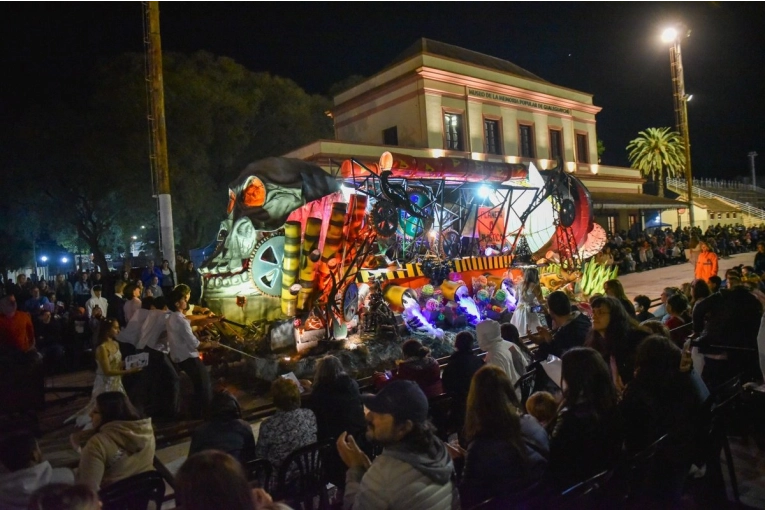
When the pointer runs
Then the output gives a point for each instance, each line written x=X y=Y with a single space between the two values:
x=650 y=283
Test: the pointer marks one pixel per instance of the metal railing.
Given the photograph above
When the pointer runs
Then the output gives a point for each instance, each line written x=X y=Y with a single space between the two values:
x=680 y=185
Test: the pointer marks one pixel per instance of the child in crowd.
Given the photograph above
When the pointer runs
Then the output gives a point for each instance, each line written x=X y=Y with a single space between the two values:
x=542 y=406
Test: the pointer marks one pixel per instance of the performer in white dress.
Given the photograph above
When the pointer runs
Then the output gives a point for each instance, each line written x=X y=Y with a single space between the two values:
x=529 y=297
x=109 y=371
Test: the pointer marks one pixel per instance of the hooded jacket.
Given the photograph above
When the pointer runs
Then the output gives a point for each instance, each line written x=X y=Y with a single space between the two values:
x=17 y=487
x=499 y=353
x=400 y=478
x=93 y=301
x=119 y=449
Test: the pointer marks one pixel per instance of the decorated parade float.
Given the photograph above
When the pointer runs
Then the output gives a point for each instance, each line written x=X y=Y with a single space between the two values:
x=354 y=260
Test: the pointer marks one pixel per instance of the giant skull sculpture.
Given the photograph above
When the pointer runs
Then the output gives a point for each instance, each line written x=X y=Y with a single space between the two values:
x=260 y=200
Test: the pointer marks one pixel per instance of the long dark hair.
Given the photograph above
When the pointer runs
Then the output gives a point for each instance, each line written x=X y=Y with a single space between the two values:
x=104 y=329
x=510 y=333
x=115 y=406
x=493 y=408
x=588 y=380
x=699 y=290
x=619 y=326
x=212 y=479
x=657 y=362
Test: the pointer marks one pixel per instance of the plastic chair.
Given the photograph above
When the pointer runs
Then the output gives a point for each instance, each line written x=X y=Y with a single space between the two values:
x=526 y=384
x=726 y=397
x=134 y=493
x=301 y=478
x=259 y=472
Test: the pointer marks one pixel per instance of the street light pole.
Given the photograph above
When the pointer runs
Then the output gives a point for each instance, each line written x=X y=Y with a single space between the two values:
x=753 y=155
x=681 y=107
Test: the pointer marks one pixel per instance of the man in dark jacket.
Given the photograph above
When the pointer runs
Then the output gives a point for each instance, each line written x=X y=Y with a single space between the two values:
x=116 y=308
x=458 y=374
x=571 y=328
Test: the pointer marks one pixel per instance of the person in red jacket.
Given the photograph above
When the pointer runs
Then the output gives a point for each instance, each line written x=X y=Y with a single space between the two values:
x=16 y=330
x=419 y=366
x=706 y=264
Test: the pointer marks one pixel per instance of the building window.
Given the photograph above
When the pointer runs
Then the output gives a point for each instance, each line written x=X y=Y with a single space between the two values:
x=390 y=136
x=526 y=141
x=734 y=215
x=492 y=138
x=455 y=138
x=633 y=219
x=556 y=144
x=711 y=216
x=611 y=224
x=582 y=153
x=719 y=216
x=727 y=215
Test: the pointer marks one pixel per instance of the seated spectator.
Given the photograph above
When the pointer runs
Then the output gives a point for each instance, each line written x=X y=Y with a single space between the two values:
x=642 y=304
x=506 y=452
x=661 y=311
x=613 y=288
x=289 y=428
x=96 y=302
x=213 y=479
x=458 y=374
x=662 y=399
x=122 y=446
x=414 y=470
x=543 y=407
x=25 y=470
x=570 y=328
x=657 y=328
x=616 y=337
x=699 y=290
x=336 y=401
x=225 y=430
x=419 y=366
x=62 y=496
x=715 y=284
x=498 y=351
x=679 y=315
x=153 y=289
x=587 y=436
x=49 y=339
x=522 y=356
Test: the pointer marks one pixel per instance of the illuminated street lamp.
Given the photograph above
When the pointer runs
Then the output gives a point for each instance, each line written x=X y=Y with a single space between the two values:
x=674 y=35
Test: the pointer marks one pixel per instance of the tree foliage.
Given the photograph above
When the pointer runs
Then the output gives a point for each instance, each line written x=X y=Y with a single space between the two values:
x=658 y=153
x=87 y=163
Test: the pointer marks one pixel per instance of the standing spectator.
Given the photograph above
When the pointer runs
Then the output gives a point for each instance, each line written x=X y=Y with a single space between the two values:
x=17 y=335
x=149 y=272
x=123 y=444
x=287 y=430
x=497 y=350
x=225 y=430
x=64 y=291
x=96 y=301
x=25 y=470
x=759 y=258
x=613 y=288
x=153 y=289
x=706 y=265
x=133 y=301
x=506 y=452
x=49 y=339
x=419 y=366
x=192 y=278
x=414 y=471
x=587 y=435
x=116 y=304
x=458 y=373
x=184 y=350
x=82 y=290
x=168 y=278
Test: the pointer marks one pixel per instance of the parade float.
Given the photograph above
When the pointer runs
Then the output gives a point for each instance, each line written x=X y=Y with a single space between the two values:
x=309 y=260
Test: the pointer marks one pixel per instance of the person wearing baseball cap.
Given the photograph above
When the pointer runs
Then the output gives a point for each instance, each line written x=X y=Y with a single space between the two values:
x=414 y=471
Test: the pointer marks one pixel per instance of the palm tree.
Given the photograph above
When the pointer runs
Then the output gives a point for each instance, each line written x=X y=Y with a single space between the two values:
x=658 y=153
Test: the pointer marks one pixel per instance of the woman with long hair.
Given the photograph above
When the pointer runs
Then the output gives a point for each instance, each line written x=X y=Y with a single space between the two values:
x=530 y=298
x=109 y=370
x=507 y=451
x=615 y=289
x=168 y=278
x=419 y=366
x=587 y=435
x=123 y=444
x=699 y=290
x=615 y=336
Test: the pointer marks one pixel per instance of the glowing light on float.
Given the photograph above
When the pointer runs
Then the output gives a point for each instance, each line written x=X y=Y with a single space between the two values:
x=416 y=320
x=468 y=306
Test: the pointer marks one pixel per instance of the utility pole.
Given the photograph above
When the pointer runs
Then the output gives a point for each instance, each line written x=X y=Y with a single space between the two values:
x=158 y=157
x=753 y=155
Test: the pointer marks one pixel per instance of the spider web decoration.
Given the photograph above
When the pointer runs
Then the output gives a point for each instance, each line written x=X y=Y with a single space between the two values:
x=522 y=253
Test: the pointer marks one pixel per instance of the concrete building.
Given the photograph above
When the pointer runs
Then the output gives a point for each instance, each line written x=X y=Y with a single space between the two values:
x=439 y=100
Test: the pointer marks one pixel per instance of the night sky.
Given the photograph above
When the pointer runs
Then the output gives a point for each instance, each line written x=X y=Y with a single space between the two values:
x=610 y=50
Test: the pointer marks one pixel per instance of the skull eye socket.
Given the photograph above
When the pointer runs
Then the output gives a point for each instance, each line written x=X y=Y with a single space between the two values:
x=254 y=194
x=231 y=201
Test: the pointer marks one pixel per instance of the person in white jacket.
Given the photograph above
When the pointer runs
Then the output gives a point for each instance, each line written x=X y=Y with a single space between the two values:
x=499 y=352
x=25 y=471
x=96 y=301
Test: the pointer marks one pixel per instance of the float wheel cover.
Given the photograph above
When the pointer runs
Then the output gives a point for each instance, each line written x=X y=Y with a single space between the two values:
x=266 y=265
